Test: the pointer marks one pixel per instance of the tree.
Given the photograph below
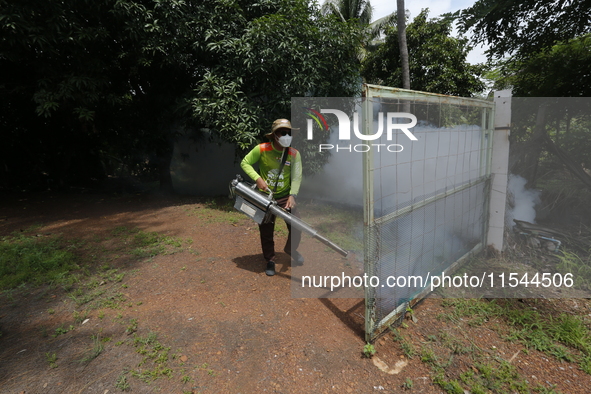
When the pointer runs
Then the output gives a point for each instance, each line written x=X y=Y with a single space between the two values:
x=293 y=52
x=117 y=80
x=437 y=60
x=102 y=78
x=541 y=79
x=548 y=46
x=523 y=27
x=346 y=10
x=559 y=71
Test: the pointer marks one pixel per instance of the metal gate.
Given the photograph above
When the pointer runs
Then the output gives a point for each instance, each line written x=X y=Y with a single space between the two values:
x=425 y=207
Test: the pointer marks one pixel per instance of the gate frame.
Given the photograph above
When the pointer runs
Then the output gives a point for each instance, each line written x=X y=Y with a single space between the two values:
x=373 y=328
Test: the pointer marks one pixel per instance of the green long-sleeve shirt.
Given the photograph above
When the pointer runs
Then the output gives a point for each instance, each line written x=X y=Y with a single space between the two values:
x=269 y=160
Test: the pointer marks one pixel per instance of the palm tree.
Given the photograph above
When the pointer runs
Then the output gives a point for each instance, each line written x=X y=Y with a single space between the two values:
x=349 y=9
x=401 y=25
x=363 y=12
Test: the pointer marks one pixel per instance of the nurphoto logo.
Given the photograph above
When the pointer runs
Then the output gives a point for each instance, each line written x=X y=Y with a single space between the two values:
x=392 y=124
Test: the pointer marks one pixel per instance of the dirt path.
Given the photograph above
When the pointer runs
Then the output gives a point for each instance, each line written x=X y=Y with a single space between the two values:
x=227 y=326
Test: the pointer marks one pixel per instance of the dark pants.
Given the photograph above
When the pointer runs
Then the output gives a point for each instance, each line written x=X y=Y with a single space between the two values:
x=267 y=229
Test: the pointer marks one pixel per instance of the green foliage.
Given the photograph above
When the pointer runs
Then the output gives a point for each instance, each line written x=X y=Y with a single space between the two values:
x=449 y=386
x=32 y=259
x=571 y=262
x=369 y=350
x=131 y=327
x=95 y=351
x=549 y=47
x=105 y=87
x=558 y=71
x=293 y=52
x=523 y=27
x=51 y=359
x=407 y=384
x=407 y=348
x=361 y=13
x=437 y=60
x=145 y=244
x=501 y=378
x=121 y=383
x=360 y=10
x=564 y=337
x=155 y=355
x=61 y=330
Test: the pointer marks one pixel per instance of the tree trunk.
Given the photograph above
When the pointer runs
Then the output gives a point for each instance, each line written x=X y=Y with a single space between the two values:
x=401 y=24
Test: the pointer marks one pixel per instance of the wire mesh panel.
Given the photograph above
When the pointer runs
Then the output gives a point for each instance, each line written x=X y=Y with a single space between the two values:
x=425 y=193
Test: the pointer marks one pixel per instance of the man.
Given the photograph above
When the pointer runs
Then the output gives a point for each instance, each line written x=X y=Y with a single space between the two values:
x=280 y=170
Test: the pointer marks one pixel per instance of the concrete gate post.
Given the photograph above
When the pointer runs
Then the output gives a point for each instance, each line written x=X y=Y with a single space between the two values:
x=499 y=169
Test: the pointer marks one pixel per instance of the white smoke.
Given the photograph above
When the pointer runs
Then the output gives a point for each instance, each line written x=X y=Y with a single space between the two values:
x=521 y=201
x=425 y=239
x=440 y=159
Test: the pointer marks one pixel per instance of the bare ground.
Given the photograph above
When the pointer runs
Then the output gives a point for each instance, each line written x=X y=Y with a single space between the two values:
x=222 y=325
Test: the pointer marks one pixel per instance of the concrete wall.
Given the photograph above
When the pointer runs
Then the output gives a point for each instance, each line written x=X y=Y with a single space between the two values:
x=203 y=168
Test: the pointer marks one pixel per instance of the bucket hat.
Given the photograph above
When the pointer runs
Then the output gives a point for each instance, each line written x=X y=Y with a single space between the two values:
x=280 y=124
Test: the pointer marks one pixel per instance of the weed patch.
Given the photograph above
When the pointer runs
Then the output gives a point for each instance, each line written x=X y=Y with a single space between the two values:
x=35 y=260
x=154 y=364
x=580 y=267
x=95 y=351
x=51 y=359
x=560 y=335
x=142 y=244
x=217 y=211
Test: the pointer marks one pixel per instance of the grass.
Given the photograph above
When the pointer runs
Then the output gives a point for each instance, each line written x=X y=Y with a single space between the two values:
x=533 y=325
x=82 y=269
x=121 y=383
x=86 y=273
x=36 y=260
x=563 y=336
x=29 y=259
x=580 y=267
x=144 y=244
x=61 y=330
x=217 y=210
x=154 y=364
x=557 y=334
x=95 y=351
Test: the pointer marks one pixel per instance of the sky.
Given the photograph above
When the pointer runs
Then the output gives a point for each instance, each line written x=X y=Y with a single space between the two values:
x=382 y=8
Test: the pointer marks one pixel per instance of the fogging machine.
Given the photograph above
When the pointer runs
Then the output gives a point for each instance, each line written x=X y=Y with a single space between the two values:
x=260 y=207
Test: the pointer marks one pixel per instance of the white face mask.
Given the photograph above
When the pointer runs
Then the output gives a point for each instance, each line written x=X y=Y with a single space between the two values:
x=284 y=141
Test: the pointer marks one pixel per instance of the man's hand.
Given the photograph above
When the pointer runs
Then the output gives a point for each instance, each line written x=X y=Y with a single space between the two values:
x=291 y=203
x=261 y=184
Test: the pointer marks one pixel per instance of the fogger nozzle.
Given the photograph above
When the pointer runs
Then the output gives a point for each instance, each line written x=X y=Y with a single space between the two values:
x=257 y=206
x=305 y=227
